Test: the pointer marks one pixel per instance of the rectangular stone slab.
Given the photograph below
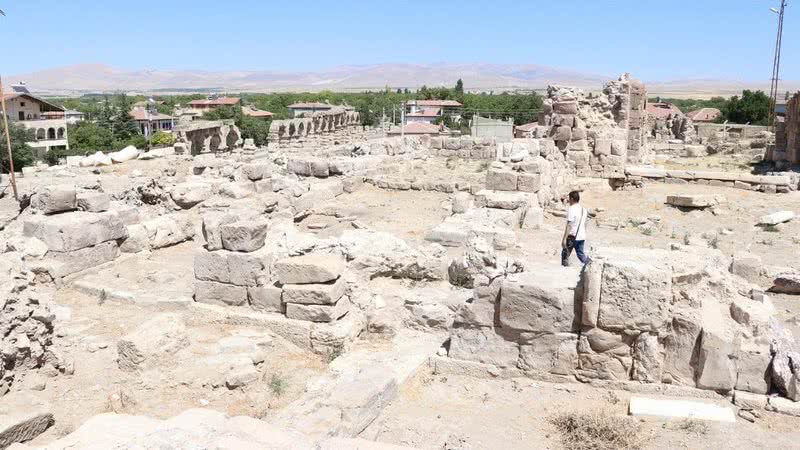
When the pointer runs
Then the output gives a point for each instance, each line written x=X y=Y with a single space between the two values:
x=679 y=409
x=314 y=294
x=318 y=313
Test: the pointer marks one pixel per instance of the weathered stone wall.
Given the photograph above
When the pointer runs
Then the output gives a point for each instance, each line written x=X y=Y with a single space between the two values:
x=599 y=135
x=324 y=127
x=673 y=317
x=208 y=136
x=790 y=134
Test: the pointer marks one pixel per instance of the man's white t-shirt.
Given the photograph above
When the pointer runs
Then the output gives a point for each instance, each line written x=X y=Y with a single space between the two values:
x=577 y=215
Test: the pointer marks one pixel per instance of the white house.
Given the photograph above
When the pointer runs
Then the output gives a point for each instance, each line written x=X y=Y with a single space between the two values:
x=46 y=119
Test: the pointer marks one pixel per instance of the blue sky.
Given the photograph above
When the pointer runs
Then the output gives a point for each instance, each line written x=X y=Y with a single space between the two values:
x=654 y=40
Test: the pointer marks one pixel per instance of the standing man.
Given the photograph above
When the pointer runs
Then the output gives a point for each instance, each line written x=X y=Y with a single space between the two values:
x=575 y=231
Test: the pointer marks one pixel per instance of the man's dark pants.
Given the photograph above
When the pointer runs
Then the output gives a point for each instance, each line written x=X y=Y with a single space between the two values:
x=566 y=252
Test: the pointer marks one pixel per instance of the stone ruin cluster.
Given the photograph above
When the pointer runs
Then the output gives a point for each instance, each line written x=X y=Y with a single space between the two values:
x=318 y=128
x=207 y=136
x=597 y=135
x=674 y=317
x=786 y=150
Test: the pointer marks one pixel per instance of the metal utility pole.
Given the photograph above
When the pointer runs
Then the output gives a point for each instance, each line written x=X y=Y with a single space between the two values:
x=776 y=65
x=8 y=143
x=403 y=120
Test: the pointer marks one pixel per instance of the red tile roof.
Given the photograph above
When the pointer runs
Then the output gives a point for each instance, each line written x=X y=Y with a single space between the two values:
x=7 y=97
x=662 y=110
x=141 y=114
x=252 y=112
x=705 y=115
x=310 y=105
x=426 y=112
x=221 y=101
x=438 y=103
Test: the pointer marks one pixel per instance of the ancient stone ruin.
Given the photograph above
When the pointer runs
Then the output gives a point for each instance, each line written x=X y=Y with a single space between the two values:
x=338 y=289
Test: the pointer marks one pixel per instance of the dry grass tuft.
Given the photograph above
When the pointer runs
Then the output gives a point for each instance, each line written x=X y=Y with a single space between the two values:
x=690 y=426
x=598 y=431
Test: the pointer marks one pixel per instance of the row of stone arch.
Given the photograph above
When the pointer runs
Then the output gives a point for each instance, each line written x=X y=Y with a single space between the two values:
x=318 y=123
x=50 y=133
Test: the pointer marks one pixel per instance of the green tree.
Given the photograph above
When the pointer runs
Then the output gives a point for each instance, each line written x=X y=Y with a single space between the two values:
x=122 y=125
x=752 y=108
x=89 y=137
x=20 y=150
x=162 y=139
x=459 y=91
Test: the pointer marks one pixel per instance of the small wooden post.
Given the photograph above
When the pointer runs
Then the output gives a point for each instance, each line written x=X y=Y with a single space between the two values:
x=8 y=143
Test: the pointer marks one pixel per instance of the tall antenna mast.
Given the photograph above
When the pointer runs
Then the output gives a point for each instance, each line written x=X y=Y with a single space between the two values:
x=776 y=65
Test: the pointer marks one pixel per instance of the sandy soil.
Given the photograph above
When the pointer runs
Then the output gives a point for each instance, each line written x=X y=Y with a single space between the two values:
x=456 y=412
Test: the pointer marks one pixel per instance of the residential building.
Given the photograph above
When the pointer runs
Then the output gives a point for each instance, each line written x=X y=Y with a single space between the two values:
x=501 y=130
x=213 y=102
x=704 y=115
x=424 y=115
x=151 y=121
x=251 y=111
x=663 y=111
x=297 y=109
x=525 y=130
x=44 y=118
x=444 y=106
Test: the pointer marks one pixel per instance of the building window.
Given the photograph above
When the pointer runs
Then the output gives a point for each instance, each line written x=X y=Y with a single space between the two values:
x=22 y=104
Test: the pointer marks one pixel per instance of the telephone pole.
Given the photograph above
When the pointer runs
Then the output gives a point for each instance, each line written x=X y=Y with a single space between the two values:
x=776 y=65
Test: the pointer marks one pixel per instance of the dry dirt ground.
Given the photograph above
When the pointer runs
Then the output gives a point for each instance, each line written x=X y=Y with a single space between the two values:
x=457 y=412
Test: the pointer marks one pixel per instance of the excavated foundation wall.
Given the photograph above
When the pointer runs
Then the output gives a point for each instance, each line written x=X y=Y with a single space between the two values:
x=655 y=316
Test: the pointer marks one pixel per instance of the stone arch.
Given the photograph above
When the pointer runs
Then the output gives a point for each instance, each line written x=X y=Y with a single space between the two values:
x=232 y=139
x=51 y=133
x=292 y=129
x=214 y=143
x=60 y=133
x=41 y=134
x=301 y=129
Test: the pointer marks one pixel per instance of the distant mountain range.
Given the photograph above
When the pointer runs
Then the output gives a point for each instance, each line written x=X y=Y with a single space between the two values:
x=83 y=78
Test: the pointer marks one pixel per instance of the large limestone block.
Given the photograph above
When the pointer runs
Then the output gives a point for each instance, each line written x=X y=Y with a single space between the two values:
x=169 y=230
x=93 y=202
x=692 y=201
x=648 y=359
x=747 y=266
x=634 y=296
x=307 y=269
x=219 y=293
x=244 y=236
x=679 y=349
x=76 y=230
x=550 y=353
x=237 y=190
x=592 y=277
x=504 y=200
x=529 y=182
x=157 y=339
x=23 y=426
x=314 y=294
x=647 y=172
x=787 y=283
x=776 y=218
x=222 y=266
x=212 y=222
x=187 y=195
x=501 y=180
x=753 y=369
x=483 y=309
x=716 y=361
x=483 y=345
x=266 y=298
x=66 y=263
x=54 y=199
x=532 y=302
x=256 y=171
x=318 y=313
